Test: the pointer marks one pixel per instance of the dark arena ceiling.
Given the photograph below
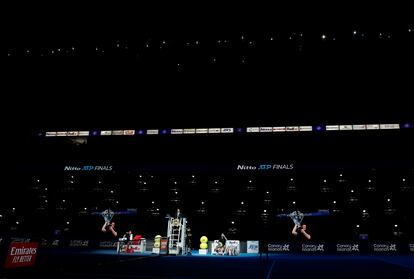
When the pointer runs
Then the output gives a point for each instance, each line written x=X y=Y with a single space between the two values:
x=106 y=66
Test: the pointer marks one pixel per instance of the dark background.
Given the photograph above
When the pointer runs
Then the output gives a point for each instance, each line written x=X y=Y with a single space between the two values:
x=301 y=82
x=346 y=80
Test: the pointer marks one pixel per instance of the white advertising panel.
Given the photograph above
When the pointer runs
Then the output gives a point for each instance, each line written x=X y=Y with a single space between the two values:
x=373 y=126
x=345 y=127
x=359 y=127
x=279 y=129
x=152 y=132
x=118 y=132
x=189 y=131
x=214 y=130
x=252 y=246
x=389 y=126
x=266 y=129
x=332 y=127
x=305 y=128
x=73 y=133
x=292 y=129
x=227 y=130
x=177 y=131
x=253 y=129
x=83 y=133
x=202 y=131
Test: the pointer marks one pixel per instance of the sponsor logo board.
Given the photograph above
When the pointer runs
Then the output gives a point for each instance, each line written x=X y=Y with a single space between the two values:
x=227 y=130
x=83 y=133
x=189 y=131
x=345 y=127
x=373 y=126
x=214 y=130
x=253 y=130
x=278 y=247
x=359 y=127
x=152 y=132
x=332 y=127
x=292 y=129
x=252 y=246
x=279 y=129
x=202 y=131
x=305 y=128
x=389 y=126
x=21 y=254
x=266 y=129
x=177 y=131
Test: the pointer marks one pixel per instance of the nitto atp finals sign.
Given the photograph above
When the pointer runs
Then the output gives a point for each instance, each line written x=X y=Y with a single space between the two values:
x=88 y=168
x=264 y=167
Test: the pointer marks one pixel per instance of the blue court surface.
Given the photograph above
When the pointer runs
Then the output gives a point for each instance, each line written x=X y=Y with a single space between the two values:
x=65 y=263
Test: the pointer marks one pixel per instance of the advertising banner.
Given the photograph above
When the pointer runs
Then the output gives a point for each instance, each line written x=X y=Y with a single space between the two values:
x=279 y=129
x=164 y=245
x=217 y=248
x=348 y=248
x=134 y=246
x=214 y=130
x=232 y=247
x=79 y=243
x=108 y=244
x=279 y=248
x=21 y=254
x=332 y=127
x=341 y=248
x=384 y=247
x=252 y=247
x=177 y=131
x=389 y=126
x=318 y=248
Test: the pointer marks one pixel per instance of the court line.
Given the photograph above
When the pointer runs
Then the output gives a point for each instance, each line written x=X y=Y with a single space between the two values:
x=270 y=270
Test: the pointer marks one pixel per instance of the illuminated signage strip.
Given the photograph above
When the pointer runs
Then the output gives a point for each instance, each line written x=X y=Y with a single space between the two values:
x=266 y=129
x=62 y=134
x=227 y=130
x=202 y=131
x=73 y=133
x=177 y=131
x=345 y=127
x=292 y=129
x=253 y=129
x=152 y=132
x=305 y=128
x=118 y=132
x=373 y=126
x=214 y=131
x=279 y=129
x=389 y=126
x=230 y=130
x=189 y=131
x=332 y=127
x=83 y=133
x=359 y=127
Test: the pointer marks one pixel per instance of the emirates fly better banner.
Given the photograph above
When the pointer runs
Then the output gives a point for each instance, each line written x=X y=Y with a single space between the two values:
x=21 y=254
